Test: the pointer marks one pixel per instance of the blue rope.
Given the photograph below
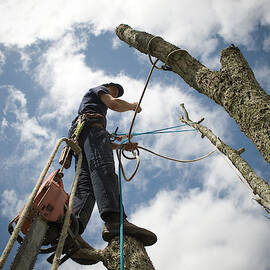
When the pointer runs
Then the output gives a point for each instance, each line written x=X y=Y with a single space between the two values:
x=160 y=132
x=121 y=220
x=154 y=132
x=157 y=131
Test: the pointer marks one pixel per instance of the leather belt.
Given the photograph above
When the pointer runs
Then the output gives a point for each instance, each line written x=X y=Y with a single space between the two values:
x=96 y=116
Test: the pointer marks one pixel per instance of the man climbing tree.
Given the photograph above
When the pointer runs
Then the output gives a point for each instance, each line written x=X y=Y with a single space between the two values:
x=98 y=181
x=234 y=87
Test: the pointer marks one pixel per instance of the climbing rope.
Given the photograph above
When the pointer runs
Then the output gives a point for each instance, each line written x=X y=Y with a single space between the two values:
x=156 y=131
x=121 y=172
x=139 y=103
x=135 y=156
x=178 y=160
x=236 y=172
x=164 y=67
x=136 y=153
x=121 y=214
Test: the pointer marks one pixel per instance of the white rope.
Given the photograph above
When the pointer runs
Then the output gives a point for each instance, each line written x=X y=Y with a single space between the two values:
x=178 y=160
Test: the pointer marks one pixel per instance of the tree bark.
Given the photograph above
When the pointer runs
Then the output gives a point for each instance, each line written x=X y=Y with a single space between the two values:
x=234 y=87
x=135 y=255
x=258 y=185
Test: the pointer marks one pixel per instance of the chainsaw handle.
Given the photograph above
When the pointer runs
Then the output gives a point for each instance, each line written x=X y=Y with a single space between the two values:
x=11 y=229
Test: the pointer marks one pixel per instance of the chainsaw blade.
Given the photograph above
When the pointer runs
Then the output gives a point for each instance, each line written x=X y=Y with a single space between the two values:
x=28 y=251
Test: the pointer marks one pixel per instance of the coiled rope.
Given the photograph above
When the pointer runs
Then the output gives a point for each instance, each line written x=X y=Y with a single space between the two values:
x=136 y=152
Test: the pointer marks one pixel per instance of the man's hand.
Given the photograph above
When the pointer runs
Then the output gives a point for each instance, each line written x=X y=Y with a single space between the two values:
x=135 y=104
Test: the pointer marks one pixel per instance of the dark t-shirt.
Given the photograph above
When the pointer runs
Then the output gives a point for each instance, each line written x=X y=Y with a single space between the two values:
x=91 y=102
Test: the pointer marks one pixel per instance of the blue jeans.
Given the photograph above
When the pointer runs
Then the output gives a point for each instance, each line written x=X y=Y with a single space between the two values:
x=97 y=181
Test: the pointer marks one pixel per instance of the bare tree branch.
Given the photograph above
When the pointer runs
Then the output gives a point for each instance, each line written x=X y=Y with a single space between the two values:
x=258 y=185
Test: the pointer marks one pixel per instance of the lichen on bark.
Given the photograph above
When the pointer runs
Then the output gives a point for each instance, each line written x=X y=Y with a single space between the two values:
x=135 y=256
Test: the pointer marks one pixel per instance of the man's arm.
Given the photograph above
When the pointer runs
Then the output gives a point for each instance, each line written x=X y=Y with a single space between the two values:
x=117 y=104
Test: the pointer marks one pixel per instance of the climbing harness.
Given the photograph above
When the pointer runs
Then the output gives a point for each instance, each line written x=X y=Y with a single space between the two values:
x=140 y=101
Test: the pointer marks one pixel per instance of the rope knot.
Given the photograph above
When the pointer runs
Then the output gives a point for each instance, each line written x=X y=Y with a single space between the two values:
x=130 y=146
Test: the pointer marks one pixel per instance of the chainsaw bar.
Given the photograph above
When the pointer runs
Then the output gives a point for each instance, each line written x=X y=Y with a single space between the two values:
x=28 y=251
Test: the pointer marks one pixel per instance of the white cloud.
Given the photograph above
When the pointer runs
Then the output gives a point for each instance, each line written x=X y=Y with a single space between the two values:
x=93 y=230
x=178 y=22
x=2 y=61
x=28 y=22
x=238 y=19
x=11 y=203
x=262 y=73
x=212 y=228
x=266 y=44
x=4 y=124
x=116 y=43
x=70 y=265
x=32 y=135
x=26 y=59
x=160 y=110
x=65 y=77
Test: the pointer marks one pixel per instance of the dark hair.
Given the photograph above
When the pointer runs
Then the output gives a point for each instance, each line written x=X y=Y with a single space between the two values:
x=118 y=86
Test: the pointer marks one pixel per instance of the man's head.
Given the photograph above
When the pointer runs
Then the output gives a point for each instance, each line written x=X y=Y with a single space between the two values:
x=115 y=89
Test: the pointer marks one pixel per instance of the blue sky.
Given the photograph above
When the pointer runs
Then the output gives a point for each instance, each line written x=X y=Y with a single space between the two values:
x=52 y=52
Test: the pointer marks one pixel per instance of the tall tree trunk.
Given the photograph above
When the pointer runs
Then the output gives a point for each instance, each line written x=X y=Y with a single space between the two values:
x=234 y=87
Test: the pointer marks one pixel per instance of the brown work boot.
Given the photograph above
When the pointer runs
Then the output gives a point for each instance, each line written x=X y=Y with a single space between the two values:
x=82 y=255
x=112 y=229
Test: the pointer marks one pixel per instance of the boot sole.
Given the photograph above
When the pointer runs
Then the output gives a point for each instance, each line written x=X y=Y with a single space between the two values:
x=146 y=237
